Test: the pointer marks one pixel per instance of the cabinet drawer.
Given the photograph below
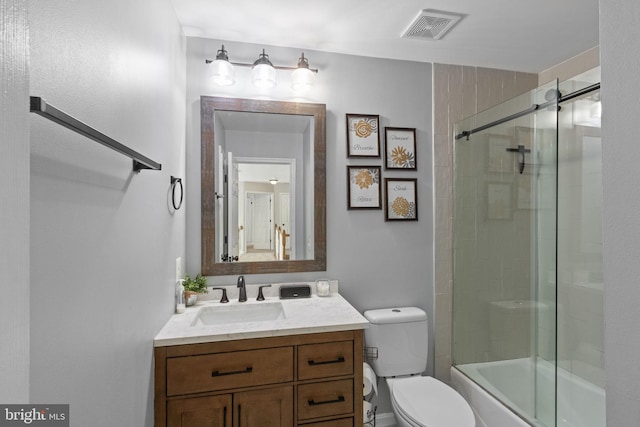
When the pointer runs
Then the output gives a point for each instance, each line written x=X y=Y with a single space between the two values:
x=343 y=422
x=220 y=371
x=325 y=360
x=325 y=399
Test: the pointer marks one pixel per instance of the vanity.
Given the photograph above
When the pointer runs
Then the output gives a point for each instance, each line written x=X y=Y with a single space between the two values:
x=293 y=362
x=285 y=363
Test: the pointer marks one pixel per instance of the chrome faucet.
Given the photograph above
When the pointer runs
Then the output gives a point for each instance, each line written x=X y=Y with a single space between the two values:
x=243 y=289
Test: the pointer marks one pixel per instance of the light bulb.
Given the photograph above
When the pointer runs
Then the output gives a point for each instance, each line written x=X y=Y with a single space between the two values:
x=221 y=72
x=263 y=76
x=302 y=80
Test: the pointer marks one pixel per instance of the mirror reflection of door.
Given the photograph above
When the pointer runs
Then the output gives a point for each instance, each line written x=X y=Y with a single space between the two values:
x=233 y=182
x=261 y=222
x=265 y=202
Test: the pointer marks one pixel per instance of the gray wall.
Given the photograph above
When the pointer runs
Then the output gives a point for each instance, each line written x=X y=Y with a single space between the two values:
x=14 y=193
x=103 y=239
x=378 y=263
x=619 y=44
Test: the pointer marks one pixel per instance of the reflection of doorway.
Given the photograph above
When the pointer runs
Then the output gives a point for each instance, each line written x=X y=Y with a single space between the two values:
x=284 y=210
x=259 y=220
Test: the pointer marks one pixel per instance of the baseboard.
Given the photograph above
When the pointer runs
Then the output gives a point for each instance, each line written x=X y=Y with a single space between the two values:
x=385 y=420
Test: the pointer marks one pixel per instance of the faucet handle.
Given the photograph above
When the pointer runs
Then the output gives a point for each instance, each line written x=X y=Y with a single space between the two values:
x=224 y=294
x=260 y=295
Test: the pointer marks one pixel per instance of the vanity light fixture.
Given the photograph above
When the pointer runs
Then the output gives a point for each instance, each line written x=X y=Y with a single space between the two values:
x=302 y=78
x=221 y=70
x=263 y=73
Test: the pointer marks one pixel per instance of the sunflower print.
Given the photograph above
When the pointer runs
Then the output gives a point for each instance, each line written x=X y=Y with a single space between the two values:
x=365 y=127
x=402 y=158
x=365 y=178
x=402 y=207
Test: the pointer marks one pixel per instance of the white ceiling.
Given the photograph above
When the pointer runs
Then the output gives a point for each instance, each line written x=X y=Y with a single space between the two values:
x=263 y=172
x=520 y=35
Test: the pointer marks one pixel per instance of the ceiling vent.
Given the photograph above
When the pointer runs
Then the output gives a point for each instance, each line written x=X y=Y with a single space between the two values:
x=431 y=25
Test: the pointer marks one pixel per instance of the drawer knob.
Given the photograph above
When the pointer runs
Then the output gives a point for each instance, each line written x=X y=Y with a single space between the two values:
x=324 y=402
x=326 y=362
x=247 y=370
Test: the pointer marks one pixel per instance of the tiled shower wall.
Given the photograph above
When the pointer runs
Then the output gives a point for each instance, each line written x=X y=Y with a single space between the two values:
x=458 y=92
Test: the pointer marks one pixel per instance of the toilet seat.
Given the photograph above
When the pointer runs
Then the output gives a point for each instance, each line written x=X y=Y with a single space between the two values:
x=427 y=402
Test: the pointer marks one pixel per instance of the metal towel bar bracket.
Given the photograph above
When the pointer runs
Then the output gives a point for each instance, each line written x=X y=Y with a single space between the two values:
x=40 y=107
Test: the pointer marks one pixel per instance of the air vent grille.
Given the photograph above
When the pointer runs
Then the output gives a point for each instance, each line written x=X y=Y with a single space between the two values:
x=431 y=25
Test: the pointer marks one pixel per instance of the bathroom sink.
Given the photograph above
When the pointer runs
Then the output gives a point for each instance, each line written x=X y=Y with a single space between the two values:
x=239 y=313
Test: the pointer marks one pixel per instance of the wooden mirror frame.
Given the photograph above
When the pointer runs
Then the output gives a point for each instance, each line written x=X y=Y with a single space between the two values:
x=208 y=105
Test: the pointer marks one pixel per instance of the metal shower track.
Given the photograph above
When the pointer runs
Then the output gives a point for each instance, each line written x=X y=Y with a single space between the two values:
x=535 y=107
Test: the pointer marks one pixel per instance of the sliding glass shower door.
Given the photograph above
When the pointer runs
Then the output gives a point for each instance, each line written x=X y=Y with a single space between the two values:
x=504 y=293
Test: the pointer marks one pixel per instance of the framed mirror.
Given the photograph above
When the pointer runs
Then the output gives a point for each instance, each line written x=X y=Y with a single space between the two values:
x=263 y=189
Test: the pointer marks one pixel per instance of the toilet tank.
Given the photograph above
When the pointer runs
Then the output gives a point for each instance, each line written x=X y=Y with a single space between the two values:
x=401 y=338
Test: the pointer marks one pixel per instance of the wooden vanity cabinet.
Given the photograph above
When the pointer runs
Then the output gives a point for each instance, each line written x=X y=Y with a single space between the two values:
x=312 y=380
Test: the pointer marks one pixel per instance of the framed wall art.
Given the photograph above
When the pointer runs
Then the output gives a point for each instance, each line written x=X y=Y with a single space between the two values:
x=400 y=148
x=363 y=138
x=363 y=187
x=401 y=199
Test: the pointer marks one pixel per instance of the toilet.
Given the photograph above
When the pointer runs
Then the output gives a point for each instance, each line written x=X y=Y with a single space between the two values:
x=400 y=336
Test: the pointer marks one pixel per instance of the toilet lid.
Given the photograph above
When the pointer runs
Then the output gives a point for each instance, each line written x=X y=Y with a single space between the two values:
x=430 y=403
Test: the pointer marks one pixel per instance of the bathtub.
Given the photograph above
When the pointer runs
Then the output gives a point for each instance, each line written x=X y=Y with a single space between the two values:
x=580 y=403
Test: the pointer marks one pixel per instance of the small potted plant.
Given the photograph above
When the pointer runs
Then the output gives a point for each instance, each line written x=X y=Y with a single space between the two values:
x=193 y=287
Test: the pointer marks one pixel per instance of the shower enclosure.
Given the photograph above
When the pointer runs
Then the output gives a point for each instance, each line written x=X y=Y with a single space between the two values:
x=527 y=280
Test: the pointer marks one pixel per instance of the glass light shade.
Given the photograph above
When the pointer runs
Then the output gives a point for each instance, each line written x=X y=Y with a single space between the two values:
x=263 y=76
x=221 y=72
x=302 y=79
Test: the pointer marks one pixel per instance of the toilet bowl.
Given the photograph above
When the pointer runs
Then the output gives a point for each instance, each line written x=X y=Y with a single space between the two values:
x=399 y=337
x=426 y=402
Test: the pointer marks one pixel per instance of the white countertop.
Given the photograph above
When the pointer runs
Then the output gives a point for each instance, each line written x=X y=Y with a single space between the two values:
x=302 y=316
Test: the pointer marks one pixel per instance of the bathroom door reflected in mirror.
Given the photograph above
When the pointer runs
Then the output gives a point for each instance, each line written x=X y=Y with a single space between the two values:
x=263 y=186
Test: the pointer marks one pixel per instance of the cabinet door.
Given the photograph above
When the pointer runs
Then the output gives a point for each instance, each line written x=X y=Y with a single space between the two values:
x=272 y=407
x=211 y=411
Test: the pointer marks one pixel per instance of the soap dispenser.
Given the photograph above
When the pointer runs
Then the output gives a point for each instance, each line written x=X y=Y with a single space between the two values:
x=180 y=303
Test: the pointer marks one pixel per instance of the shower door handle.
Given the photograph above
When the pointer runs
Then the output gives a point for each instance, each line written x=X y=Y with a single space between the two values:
x=520 y=150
